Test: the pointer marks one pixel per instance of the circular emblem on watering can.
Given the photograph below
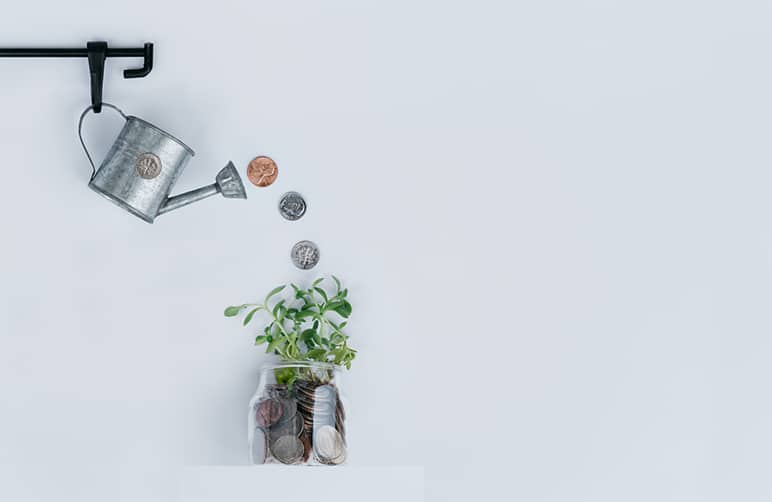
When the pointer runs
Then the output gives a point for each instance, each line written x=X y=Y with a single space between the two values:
x=148 y=166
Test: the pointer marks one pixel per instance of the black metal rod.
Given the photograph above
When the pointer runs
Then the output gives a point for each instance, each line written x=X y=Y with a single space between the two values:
x=67 y=53
x=97 y=53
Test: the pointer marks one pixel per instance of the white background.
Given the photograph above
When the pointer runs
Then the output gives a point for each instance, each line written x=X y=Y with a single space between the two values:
x=553 y=217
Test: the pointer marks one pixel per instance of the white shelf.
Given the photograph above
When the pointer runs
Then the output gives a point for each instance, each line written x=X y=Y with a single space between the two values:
x=317 y=484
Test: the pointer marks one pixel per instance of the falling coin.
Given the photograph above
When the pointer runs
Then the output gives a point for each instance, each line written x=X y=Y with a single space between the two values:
x=268 y=412
x=292 y=206
x=287 y=449
x=329 y=447
x=262 y=171
x=305 y=255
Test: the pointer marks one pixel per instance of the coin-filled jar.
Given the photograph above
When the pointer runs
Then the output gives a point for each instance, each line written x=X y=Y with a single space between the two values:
x=297 y=416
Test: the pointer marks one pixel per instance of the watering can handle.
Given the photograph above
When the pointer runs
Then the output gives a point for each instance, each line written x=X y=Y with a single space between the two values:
x=80 y=133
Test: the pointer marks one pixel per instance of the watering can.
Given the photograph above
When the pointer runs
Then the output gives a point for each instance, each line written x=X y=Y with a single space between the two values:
x=143 y=165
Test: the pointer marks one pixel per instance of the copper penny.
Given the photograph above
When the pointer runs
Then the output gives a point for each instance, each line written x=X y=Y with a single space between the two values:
x=306 y=440
x=268 y=413
x=262 y=171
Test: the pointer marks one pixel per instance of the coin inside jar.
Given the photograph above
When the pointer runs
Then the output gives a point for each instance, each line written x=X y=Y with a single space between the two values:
x=262 y=171
x=325 y=398
x=287 y=449
x=324 y=393
x=306 y=440
x=293 y=427
x=289 y=408
x=268 y=412
x=329 y=447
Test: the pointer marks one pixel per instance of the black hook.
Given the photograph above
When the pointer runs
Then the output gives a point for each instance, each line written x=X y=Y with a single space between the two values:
x=97 y=53
x=147 y=54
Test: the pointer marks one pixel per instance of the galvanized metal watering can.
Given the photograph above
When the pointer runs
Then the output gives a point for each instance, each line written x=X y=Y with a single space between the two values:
x=143 y=165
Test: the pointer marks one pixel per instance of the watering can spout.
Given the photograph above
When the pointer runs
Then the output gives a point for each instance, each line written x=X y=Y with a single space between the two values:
x=228 y=183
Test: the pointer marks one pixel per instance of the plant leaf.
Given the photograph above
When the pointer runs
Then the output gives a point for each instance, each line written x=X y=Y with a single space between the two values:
x=317 y=282
x=250 y=314
x=337 y=282
x=316 y=354
x=261 y=340
x=321 y=292
x=277 y=307
x=306 y=312
x=233 y=310
x=344 y=309
x=308 y=338
x=275 y=291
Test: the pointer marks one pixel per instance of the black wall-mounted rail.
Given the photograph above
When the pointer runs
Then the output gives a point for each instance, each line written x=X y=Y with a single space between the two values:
x=97 y=53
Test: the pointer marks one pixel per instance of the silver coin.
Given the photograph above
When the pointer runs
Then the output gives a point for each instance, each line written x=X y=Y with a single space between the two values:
x=329 y=447
x=287 y=449
x=292 y=206
x=325 y=400
x=259 y=447
x=323 y=420
x=277 y=391
x=325 y=393
x=293 y=427
x=289 y=409
x=305 y=255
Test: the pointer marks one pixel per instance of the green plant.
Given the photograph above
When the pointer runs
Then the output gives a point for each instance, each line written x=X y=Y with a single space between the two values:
x=303 y=327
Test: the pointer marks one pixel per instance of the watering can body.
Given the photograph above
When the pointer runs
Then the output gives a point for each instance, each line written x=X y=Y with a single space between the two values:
x=143 y=165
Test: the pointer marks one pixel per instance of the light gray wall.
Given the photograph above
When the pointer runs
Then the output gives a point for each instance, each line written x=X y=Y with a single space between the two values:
x=554 y=219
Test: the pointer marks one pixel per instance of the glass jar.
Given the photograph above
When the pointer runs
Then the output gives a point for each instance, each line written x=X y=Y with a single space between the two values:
x=297 y=415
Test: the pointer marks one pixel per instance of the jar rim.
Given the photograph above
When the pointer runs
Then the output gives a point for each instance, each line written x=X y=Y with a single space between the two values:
x=303 y=364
